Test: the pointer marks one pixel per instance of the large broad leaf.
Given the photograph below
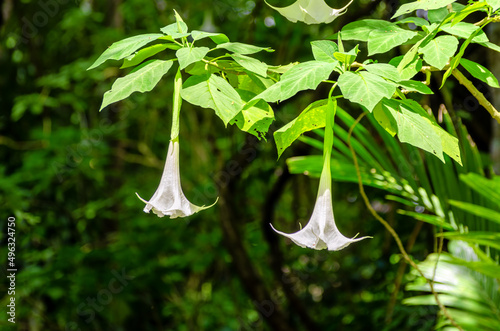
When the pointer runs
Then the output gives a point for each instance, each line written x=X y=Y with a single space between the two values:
x=124 y=48
x=218 y=38
x=323 y=50
x=253 y=83
x=256 y=117
x=188 y=55
x=384 y=70
x=439 y=50
x=421 y=4
x=251 y=64
x=410 y=70
x=214 y=92
x=383 y=40
x=144 y=79
x=244 y=49
x=411 y=127
x=143 y=54
x=313 y=117
x=365 y=88
x=464 y=30
x=310 y=11
x=360 y=30
x=303 y=76
x=176 y=30
x=479 y=72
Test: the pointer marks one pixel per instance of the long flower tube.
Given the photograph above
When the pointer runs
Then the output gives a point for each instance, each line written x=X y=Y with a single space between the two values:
x=321 y=232
x=169 y=199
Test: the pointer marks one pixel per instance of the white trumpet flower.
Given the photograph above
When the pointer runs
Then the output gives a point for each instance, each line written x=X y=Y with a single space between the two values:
x=321 y=231
x=311 y=11
x=169 y=198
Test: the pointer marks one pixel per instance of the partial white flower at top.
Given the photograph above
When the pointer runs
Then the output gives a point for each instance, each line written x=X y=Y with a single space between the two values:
x=311 y=11
x=169 y=198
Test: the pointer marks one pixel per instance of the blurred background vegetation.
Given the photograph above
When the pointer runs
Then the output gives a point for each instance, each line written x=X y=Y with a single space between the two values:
x=90 y=259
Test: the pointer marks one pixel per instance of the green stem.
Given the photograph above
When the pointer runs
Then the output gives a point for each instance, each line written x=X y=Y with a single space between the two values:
x=174 y=133
x=331 y=110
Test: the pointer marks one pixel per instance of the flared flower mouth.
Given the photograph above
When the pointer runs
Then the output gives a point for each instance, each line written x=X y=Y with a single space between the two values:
x=169 y=199
x=321 y=232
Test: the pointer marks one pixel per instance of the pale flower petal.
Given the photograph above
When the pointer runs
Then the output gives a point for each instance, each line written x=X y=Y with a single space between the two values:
x=321 y=231
x=169 y=198
x=311 y=11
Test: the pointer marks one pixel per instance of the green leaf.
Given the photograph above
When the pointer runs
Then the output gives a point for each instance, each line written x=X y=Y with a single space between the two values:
x=449 y=143
x=143 y=54
x=251 y=64
x=383 y=40
x=323 y=50
x=365 y=88
x=491 y=239
x=415 y=86
x=347 y=57
x=494 y=4
x=437 y=15
x=124 y=48
x=431 y=219
x=176 y=30
x=256 y=117
x=214 y=92
x=438 y=51
x=360 y=30
x=303 y=76
x=188 y=55
x=254 y=83
x=144 y=79
x=467 y=10
x=410 y=70
x=421 y=4
x=456 y=59
x=418 y=21
x=479 y=72
x=410 y=56
x=218 y=38
x=312 y=117
x=464 y=30
x=412 y=127
x=488 y=188
x=384 y=70
x=244 y=49
x=341 y=171
x=477 y=210
x=492 y=46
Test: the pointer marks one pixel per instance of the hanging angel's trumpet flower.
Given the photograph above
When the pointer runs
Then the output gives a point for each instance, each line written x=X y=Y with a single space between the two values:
x=311 y=11
x=169 y=198
x=321 y=231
